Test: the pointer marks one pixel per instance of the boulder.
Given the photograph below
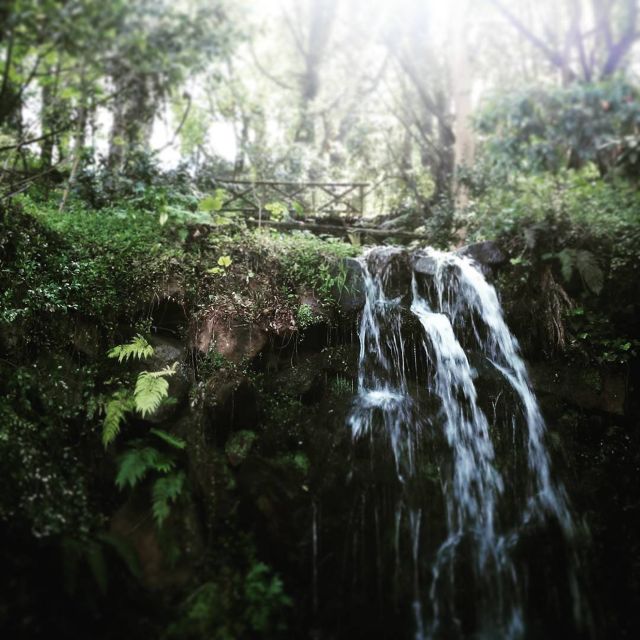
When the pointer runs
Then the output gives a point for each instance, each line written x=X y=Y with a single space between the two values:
x=487 y=253
x=234 y=342
x=587 y=388
x=351 y=295
x=304 y=380
x=423 y=263
x=392 y=263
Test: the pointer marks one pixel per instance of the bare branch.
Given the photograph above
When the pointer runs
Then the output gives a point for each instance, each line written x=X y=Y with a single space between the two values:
x=556 y=58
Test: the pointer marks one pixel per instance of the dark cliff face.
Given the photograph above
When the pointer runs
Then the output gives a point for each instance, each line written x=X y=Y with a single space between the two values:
x=274 y=478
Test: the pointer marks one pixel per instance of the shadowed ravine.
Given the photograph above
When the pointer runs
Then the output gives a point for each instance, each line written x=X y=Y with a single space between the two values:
x=473 y=482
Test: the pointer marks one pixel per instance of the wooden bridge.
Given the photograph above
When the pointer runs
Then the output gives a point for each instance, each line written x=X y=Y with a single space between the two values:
x=334 y=208
x=302 y=199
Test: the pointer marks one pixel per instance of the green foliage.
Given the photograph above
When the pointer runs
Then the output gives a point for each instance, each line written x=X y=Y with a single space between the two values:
x=151 y=389
x=579 y=201
x=142 y=460
x=213 y=202
x=305 y=317
x=96 y=263
x=342 y=386
x=223 y=263
x=265 y=595
x=234 y=605
x=309 y=262
x=135 y=463
x=239 y=445
x=43 y=430
x=174 y=441
x=166 y=490
x=276 y=210
x=586 y=264
x=116 y=409
x=551 y=129
x=138 y=349
x=593 y=335
x=211 y=362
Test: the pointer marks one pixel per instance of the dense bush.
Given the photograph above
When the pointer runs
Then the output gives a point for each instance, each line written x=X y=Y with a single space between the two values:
x=550 y=129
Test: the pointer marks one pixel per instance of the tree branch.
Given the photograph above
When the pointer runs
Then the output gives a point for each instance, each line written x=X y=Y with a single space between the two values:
x=557 y=59
x=621 y=48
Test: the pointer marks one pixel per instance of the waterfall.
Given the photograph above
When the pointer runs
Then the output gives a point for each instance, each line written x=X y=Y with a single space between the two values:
x=469 y=487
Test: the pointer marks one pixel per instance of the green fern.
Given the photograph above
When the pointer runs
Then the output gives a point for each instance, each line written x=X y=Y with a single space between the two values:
x=165 y=491
x=115 y=411
x=151 y=389
x=135 y=463
x=174 y=441
x=587 y=266
x=138 y=348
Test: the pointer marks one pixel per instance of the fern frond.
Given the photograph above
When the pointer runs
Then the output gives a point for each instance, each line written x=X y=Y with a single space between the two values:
x=115 y=411
x=135 y=463
x=138 y=348
x=165 y=491
x=174 y=441
x=590 y=271
x=151 y=389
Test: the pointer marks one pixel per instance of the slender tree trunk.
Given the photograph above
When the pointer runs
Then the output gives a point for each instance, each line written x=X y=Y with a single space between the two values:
x=461 y=83
x=49 y=116
x=79 y=139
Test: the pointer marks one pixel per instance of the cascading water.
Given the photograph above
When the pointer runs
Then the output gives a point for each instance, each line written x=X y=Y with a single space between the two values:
x=468 y=490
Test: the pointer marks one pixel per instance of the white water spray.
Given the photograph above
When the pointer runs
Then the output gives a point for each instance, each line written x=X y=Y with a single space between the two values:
x=454 y=305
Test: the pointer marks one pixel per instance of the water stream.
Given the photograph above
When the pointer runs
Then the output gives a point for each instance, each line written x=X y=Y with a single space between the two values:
x=470 y=488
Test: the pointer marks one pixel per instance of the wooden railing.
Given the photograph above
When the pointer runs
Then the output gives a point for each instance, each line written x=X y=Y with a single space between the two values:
x=302 y=199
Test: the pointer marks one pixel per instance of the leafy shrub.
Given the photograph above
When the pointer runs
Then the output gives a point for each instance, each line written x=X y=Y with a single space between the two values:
x=234 y=605
x=553 y=129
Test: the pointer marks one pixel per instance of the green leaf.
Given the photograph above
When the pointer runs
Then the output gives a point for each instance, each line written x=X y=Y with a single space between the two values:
x=276 y=210
x=224 y=261
x=116 y=409
x=567 y=260
x=151 y=389
x=166 y=491
x=238 y=446
x=138 y=348
x=174 y=441
x=213 y=202
x=135 y=463
x=590 y=271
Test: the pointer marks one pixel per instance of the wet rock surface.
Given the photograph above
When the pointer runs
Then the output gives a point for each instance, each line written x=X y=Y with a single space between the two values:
x=233 y=341
x=488 y=253
x=596 y=388
x=350 y=295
